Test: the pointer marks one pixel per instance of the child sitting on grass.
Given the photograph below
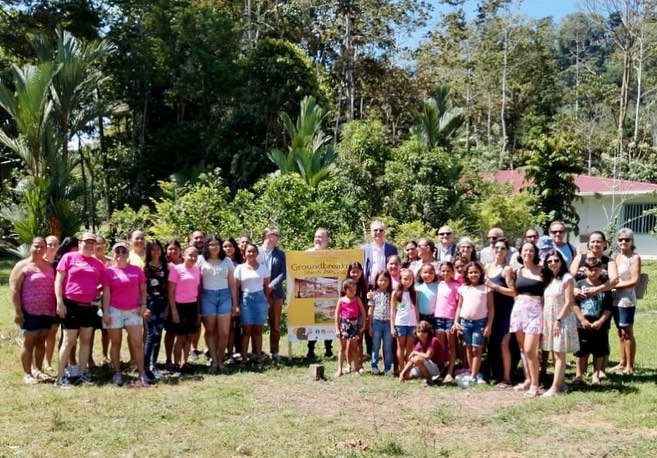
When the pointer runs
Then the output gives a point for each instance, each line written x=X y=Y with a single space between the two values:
x=427 y=358
x=592 y=313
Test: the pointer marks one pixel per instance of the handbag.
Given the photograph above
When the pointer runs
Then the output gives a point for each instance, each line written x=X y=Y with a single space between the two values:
x=642 y=287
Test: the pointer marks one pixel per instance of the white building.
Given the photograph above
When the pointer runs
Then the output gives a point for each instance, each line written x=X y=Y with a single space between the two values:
x=604 y=199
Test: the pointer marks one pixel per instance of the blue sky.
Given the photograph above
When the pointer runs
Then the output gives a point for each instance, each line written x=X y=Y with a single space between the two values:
x=532 y=8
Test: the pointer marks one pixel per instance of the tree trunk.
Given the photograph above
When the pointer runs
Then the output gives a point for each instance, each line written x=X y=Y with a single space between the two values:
x=639 y=74
x=503 y=109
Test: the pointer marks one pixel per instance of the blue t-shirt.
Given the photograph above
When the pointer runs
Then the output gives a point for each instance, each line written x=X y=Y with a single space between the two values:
x=426 y=297
x=593 y=307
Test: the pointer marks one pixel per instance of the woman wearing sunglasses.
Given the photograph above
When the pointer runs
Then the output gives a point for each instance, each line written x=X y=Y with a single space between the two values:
x=559 y=321
x=629 y=273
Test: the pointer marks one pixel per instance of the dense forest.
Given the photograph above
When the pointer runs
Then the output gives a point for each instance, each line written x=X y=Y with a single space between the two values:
x=232 y=115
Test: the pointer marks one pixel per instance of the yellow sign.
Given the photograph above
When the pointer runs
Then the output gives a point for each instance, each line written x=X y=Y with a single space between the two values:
x=314 y=279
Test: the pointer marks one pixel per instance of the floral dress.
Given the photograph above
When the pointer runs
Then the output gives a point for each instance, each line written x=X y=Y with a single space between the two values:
x=554 y=298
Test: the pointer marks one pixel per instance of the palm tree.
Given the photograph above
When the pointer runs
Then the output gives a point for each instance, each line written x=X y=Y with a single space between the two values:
x=438 y=122
x=310 y=153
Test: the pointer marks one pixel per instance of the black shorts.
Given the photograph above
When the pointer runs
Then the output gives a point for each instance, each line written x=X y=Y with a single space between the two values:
x=35 y=323
x=188 y=314
x=79 y=315
x=593 y=342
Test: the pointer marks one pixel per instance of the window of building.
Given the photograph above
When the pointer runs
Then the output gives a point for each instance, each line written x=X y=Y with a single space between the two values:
x=635 y=217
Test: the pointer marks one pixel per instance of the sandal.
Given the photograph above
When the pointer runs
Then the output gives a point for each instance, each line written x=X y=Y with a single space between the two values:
x=524 y=386
x=29 y=380
x=577 y=381
x=41 y=376
x=504 y=384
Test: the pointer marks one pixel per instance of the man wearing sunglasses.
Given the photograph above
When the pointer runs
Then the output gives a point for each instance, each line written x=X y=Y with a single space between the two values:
x=447 y=247
x=558 y=235
x=487 y=255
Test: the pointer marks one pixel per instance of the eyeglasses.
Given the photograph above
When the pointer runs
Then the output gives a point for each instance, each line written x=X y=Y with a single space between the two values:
x=553 y=261
x=533 y=236
x=492 y=237
x=557 y=232
x=444 y=234
x=121 y=251
x=623 y=239
x=500 y=248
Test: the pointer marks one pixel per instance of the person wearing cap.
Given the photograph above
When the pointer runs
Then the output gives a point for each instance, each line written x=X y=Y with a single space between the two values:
x=544 y=245
x=274 y=258
x=137 y=253
x=567 y=249
x=79 y=275
x=124 y=307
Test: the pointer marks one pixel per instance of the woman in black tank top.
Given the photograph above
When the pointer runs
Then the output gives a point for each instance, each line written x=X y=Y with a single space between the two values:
x=527 y=315
x=501 y=352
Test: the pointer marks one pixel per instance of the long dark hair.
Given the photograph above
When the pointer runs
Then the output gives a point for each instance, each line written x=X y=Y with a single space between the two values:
x=164 y=262
x=547 y=272
x=237 y=257
x=361 y=283
x=537 y=256
x=66 y=246
x=399 y=292
x=206 y=247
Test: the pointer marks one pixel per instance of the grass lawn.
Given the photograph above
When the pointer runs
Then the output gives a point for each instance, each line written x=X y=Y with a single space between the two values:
x=280 y=412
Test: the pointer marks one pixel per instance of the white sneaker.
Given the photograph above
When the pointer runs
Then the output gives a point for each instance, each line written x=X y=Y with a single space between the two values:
x=375 y=371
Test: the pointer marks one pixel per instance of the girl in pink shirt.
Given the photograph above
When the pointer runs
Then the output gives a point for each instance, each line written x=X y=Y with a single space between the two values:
x=447 y=298
x=474 y=317
x=350 y=319
x=184 y=282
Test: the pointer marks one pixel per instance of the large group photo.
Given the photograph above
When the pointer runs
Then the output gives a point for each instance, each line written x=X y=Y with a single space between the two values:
x=328 y=228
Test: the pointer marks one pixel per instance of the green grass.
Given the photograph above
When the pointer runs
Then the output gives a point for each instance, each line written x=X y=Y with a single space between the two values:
x=280 y=412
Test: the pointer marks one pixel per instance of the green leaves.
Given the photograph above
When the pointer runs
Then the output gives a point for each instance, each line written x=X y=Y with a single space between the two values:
x=309 y=154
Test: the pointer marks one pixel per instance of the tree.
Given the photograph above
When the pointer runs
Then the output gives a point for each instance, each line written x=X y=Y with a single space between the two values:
x=438 y=122
x=310 y=153
x=550 y=166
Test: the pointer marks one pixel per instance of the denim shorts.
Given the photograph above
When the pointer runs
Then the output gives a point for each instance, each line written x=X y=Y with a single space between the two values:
x=405 y=331
x=443 y=325
x=254 y=308
x=473 y=331
x=216 y=302
x=33 y=323
x=624 y=316
x=123 y=318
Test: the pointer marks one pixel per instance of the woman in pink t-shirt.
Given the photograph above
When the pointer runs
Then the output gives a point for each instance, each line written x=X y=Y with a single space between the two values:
x=78 y=278
x=124 y=305
x=32 y=288
x=184 y=283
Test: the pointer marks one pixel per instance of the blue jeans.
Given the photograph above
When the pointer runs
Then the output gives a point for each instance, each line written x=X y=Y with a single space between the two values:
x=154 y=327
x=382 y=332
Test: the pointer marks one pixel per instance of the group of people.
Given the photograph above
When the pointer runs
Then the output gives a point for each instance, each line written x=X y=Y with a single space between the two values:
x=445 y=303
x=437 y=305
x=147 y=289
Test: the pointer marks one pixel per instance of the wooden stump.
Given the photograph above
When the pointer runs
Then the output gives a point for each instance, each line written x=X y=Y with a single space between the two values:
x=316 y=372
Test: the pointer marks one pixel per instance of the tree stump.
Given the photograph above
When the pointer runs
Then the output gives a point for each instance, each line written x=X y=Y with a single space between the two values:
x=316 y=372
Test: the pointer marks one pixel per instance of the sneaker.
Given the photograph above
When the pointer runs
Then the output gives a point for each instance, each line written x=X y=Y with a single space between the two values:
x=465 y=381
x=276 y=358
x=84 y=379
x=148 y=374
x=63 y=383
x=328 y=354
x=206 y=353
x=389 y=374
x=156 y=373
x=193 y=355
x=480 y=379
x=310 y=356
x=145 y=380
x=117 y=379
x=72 y=371
x=375 y=371
x=29 y=380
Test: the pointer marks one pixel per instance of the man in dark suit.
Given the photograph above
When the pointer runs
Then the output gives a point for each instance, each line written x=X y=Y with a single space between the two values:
x=376 y=255
x=274 y=258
